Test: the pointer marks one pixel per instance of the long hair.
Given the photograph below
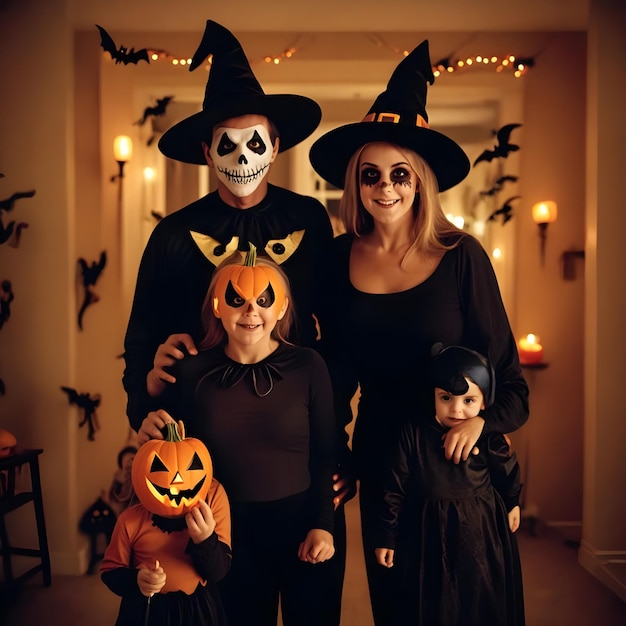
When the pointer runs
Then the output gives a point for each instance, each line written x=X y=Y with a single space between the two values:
x=215 y=334
x=432 y=231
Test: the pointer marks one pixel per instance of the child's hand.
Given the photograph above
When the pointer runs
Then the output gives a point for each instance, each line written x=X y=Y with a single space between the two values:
x=200 y=522
x=151 y=581
x=515 y=516
x=317 y=547
x=384 y=556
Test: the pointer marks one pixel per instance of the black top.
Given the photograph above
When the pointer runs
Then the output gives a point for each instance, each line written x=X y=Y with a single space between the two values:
x=269 y=426
x=382 y=342
x=174 y=273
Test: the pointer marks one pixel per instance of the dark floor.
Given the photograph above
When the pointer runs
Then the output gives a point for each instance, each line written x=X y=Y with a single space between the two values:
x=557 y=590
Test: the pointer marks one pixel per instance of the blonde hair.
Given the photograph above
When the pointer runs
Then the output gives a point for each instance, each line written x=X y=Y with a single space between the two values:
x=432 y=231
x=215 y=334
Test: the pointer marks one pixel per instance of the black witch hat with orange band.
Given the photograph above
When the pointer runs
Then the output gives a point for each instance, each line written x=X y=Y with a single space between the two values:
x=233 y=90
x=397 y=116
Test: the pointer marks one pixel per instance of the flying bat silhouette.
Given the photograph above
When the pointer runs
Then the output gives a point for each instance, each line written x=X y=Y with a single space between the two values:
x=8 y=203
x=90 y=274
x=156 y=215
x=121 y=54
x=503 y=147
x=159 y=109
x=498 y=184
x=88 y=404
x=506 y=211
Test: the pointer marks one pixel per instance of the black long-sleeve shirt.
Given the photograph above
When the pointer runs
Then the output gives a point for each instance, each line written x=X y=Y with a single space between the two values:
x=382 y=342
x=270 y=426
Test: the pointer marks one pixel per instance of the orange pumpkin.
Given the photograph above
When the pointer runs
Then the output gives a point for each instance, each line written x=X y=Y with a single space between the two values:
x=171 y=476
x=236 y=284
x=7 y=442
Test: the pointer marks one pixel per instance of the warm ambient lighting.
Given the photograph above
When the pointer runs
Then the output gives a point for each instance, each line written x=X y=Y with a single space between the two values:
x=544 y=213
x=530 y=350
x=123 y=152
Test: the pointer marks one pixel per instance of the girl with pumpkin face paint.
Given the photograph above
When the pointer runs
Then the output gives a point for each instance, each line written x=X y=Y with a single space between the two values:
x=265 y=409
x=404 y=278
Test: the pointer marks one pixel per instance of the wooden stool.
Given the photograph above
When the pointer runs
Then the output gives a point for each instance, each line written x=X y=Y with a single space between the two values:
x=9 y=501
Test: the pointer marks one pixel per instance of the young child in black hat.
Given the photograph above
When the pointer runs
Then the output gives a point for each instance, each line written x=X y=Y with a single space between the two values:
x=405 y=277
x=468 y=569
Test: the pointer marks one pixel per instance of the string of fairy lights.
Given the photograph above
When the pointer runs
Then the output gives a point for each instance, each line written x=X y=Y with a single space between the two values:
x=518 y=66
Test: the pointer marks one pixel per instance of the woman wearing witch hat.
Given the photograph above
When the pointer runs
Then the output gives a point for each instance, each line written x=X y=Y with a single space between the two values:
x=405 y=277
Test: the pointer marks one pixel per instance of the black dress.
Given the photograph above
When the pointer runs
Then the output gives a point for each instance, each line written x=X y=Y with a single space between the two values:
x=467 y=571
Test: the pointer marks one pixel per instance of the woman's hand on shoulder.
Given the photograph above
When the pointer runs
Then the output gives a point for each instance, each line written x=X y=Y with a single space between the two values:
x=152 y=426
x=459 y=441
x=317 y=547
x=173 y=349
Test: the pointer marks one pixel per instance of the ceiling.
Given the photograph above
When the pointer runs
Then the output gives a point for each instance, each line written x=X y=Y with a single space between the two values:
x=333 y=15
x=346 y=49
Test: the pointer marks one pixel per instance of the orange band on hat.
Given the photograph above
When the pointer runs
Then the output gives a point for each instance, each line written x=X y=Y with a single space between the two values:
x=393 y=118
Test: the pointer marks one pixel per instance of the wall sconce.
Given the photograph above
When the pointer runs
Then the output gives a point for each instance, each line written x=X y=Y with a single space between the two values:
x=568 y=265
x=123 y=152
x=544 y=213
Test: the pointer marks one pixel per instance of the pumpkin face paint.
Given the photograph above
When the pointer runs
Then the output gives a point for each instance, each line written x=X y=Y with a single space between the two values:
x=171 y=476
x=237 y=285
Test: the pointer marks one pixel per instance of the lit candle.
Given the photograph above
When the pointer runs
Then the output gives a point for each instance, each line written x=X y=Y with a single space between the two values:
x=530 y=350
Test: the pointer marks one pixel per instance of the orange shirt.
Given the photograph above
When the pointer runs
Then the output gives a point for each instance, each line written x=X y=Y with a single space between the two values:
x=137 y=542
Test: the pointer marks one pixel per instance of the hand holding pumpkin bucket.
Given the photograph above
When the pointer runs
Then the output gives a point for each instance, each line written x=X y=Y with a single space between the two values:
x=172 y=475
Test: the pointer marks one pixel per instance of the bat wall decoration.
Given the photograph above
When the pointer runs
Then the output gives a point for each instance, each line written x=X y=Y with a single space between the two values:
x=497 y=186
x=159 y=109
x=88 y=404
x=8 y=203
x=503 y=148
x=90 y=273
x=505 y=211
x=121 y=54
x=12 y=232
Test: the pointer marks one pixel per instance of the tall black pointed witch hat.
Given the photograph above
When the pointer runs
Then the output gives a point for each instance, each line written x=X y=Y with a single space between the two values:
x=397 y=116
x=233 y=90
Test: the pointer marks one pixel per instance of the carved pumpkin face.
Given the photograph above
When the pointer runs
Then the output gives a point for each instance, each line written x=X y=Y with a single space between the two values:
x=171 y=476
x=238 y=284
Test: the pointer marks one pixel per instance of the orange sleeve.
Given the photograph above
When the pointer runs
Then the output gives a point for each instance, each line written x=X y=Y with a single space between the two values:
x=220 y=507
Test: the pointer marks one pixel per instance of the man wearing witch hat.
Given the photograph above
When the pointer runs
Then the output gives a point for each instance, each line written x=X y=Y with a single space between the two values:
x=238 y=133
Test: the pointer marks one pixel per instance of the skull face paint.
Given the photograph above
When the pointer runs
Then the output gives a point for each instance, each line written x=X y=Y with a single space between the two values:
x=242 y=157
